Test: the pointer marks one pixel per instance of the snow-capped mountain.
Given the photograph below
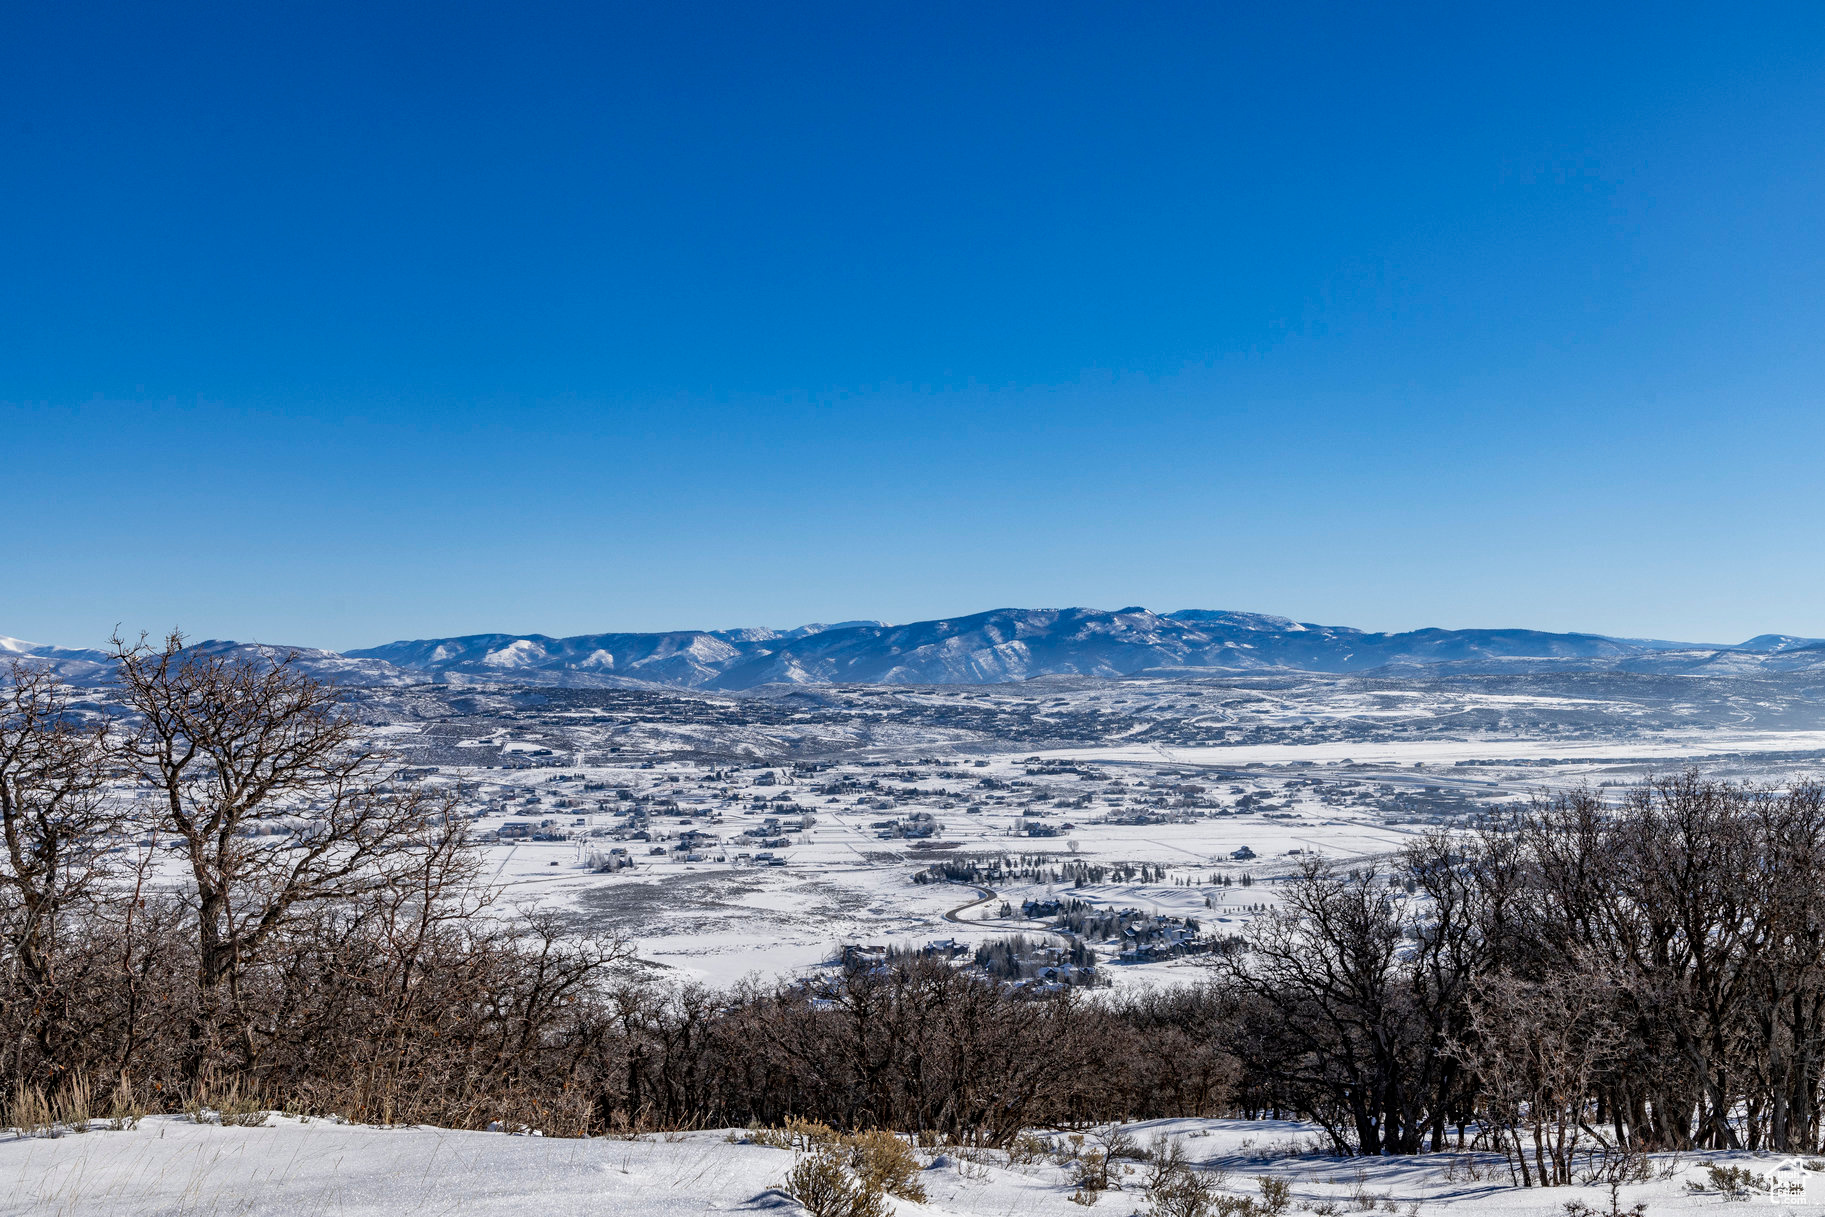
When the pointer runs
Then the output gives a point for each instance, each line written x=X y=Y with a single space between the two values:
x=77 y=666
x=96 y=667
x=994 y=647
x=1016 y=644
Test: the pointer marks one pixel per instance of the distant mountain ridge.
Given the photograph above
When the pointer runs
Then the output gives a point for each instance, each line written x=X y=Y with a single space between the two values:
x=88 y=666
x=1017 y=644
x=999 y=646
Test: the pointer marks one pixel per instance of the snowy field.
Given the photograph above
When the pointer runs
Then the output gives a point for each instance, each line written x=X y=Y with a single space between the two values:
x=169 y=1167
x=1676 y=748
x=718 y=920
x=1200 y=781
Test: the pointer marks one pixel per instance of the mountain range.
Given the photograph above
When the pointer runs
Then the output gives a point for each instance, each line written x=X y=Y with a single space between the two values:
x=995 y=647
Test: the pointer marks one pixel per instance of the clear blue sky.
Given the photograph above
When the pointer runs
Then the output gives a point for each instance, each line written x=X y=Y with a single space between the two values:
x=338 y=324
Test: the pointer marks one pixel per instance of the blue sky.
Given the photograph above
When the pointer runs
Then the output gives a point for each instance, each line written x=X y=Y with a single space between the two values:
x=333 y=325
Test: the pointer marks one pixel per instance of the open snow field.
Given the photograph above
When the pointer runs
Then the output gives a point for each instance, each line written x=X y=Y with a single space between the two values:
x=169 y=1167
x=1680 y=748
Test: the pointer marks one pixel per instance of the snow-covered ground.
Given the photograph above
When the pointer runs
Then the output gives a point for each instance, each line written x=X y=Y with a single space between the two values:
x=1681 y=748
x=1172 y=774
x=1346 y=771
x=716 y=922
x=169 y=1166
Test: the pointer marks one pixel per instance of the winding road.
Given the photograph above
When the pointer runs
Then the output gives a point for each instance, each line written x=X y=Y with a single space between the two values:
x=1020 y=927
x=954 y=914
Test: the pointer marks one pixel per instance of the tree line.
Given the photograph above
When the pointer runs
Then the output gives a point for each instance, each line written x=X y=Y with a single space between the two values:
x=1634 y=973
x=212 y=878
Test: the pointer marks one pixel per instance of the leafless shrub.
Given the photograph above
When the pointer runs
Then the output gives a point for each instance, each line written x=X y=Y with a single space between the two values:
x=1276 y=1195
x=823 y=1184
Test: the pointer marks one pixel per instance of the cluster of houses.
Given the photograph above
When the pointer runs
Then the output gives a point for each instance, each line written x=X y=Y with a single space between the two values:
x=695 y=845
x=1065 y=957
x=1024 y=827
x=918 y=826
x=771 y=832
x=657 y=820
x=1140 y=937
x=1017 y=961
x=607 y=862
x=1159 y=939
x=536 y=830
x=1038 y=965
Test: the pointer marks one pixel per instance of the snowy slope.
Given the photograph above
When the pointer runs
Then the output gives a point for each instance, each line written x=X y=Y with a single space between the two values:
x=294 y=1169
x=76 y=666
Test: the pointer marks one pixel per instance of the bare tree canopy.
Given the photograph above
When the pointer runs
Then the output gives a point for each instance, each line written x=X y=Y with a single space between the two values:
x=268 y=792
x=58 y=825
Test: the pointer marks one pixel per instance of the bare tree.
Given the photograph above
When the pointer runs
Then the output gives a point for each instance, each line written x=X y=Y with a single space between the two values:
x=271 y=797
x=1539 y=1049
x=1336 y=1018
x=57 y=825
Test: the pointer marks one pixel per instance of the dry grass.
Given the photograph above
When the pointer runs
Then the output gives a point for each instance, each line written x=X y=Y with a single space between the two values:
x=231 y=1104
x=28 y=1112
x=69 y=1107
x=125 y=1108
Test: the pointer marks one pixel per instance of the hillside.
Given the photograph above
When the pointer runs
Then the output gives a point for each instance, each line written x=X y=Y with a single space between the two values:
x=289 y=1167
